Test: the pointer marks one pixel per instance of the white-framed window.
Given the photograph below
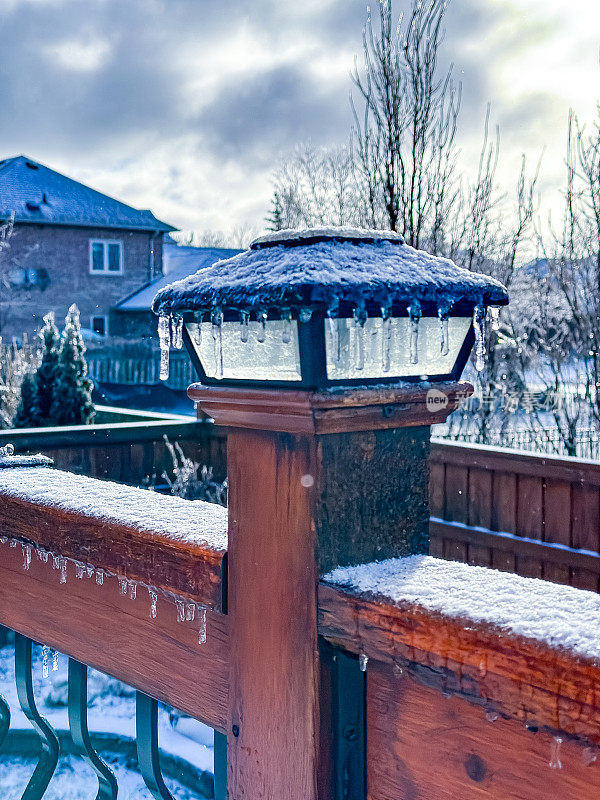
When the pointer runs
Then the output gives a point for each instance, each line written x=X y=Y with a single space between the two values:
x=99 y=325
x=106 y=257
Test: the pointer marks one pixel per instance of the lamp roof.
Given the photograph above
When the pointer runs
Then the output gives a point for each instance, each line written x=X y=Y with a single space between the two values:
x=321 y=267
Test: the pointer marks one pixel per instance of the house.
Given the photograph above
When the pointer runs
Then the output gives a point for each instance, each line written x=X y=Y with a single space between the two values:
x=132 y=317
x=70 y=244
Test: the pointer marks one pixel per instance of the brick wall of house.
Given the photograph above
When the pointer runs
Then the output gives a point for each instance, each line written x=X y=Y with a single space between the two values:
x=64 y=253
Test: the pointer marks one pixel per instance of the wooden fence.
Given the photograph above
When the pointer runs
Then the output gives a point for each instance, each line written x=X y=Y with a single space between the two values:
x=535 y=515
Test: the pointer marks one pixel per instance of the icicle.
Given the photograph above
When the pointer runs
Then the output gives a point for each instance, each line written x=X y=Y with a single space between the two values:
x=332 y=313
x=153 y=602
x=555 y=762
x=190 y=612
x=244 y=327
x=386 y=337
x=45 y=661
x=3 y=539
x=26 y=550
x=123 y=586
x=216 y=318
x=164 y=339
x=201 y=624
x=132 y=590
x=55 y=661
x=286 y=316
x=89 y=571
x=180 y=606
x=479 y=326
x=491 y=715
x=99 y=577
x=305 y=314
x=444 y=308
x=79 y=571
x=43 y=556
x=63 y=570
x=360 y=318
x=261 y=317
x=13 y=543
x=414 y=312
x=177 y=331
x=495 y=317
x=363 y=660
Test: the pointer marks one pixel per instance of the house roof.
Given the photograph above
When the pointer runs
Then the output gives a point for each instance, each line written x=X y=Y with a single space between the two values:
x=179 y=262
x=323 y=267
x=34 y=193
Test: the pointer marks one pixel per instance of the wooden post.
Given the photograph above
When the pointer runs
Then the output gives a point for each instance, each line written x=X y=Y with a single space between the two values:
x=316 y=480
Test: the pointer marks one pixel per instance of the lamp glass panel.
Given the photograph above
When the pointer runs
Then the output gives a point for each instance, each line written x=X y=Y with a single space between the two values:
x=343 y=348
x=271 y=360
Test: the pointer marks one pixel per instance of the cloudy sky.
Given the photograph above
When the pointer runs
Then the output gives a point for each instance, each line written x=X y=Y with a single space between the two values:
x=185 y=106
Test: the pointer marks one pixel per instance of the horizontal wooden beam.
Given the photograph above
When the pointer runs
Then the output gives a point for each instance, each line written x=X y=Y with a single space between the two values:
x=516 y=677
x=498 y=459
x=116 y=634
x=517 y=545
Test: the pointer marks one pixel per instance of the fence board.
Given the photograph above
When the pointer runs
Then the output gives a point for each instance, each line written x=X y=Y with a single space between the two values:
x=479 y=512
x=530 y=521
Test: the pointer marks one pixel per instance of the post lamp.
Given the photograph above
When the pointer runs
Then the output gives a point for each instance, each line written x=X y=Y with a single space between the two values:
x=320 y=350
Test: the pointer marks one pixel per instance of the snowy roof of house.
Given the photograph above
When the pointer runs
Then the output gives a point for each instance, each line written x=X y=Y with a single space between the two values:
x=32 y=192
x=323 y=266
x=178 y=262
x=560 y=616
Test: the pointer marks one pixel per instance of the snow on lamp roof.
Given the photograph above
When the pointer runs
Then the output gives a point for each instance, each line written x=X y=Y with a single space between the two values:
x=323 y=267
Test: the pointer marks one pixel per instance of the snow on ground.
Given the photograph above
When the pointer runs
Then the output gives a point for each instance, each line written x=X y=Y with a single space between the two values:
x=561 y=616
x=194 y=521
x=111 y=709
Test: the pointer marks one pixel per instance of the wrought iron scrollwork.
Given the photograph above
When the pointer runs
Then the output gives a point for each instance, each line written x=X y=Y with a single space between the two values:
x=146 y=729
x=107 y=783
x=48 y=759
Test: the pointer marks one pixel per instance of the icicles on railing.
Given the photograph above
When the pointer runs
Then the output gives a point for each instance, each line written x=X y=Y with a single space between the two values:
x=164 y=340
x=414 y=313
x=360 y=318
x=286 y=316
x=386 y=336
x=153 y=603
x=216 y=318
x=26 y=550
x=261 y=318
x=479 y=327
x=332 y=314
x=444 y=308
x=244 y=326
x=45 y=661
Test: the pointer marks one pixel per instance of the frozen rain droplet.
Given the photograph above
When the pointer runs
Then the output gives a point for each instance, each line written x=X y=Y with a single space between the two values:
x=201 y=625
x=79 y=571
x=305 y=314
x=177 y=331
x=262 y=326
x=363 y=660
x=360 y=318
x=386 y=340
x=3 y=539
x=153 y=602
x=54 y=661
x=244 y=325
x=63 y=570
x=190 y=612
x=398 y=669
x=491 y=715
x=45 y=660
x=132 y=590
x=479 y=326
x=13 y=542
x=99 y=577
x=180 y=606
x=555 y=762
x=164 y=339
x=26 y=548
x=123 y=586
x=589 y=755
x=216 y=318
x=414 y=312
x=286 y=316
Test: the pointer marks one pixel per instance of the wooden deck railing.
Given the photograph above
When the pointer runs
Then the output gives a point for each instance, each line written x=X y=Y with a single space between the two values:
x=454 y=705
x=535 y=515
